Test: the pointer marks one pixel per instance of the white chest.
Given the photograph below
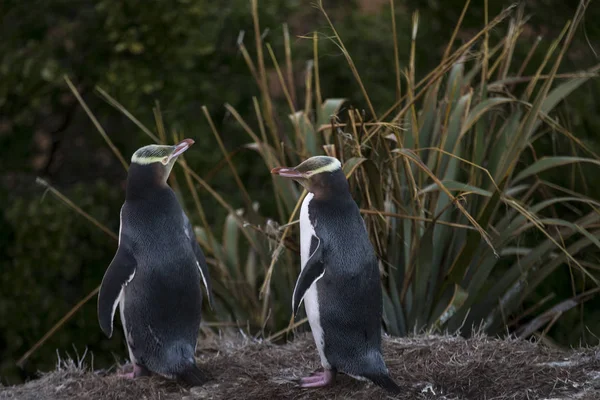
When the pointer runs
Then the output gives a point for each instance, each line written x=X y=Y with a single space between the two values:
x=311 y=298
x=306 y=231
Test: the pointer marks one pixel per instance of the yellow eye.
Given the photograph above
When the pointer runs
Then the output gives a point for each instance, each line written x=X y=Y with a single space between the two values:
x=165 y=160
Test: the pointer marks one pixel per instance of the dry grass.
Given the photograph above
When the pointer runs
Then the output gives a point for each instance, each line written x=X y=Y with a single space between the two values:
x=426 y=367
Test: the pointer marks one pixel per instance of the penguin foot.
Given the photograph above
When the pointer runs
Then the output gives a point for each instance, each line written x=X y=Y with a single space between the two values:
x=127 y=375
x=138 y=370
x=318 y=379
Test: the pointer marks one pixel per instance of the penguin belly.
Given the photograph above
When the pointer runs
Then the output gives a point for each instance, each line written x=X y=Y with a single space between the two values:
x=311 y=298
x=311 y=304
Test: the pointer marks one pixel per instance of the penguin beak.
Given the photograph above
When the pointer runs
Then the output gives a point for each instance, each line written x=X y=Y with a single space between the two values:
x=287 y=172
x=180 y=148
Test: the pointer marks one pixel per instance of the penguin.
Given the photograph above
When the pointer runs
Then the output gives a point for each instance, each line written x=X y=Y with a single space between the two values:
x=339 y=282
x=157 y=273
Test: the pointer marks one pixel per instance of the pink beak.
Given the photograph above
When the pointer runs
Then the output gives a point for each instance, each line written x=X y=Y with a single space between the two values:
x=181 y=147
x=287 y=172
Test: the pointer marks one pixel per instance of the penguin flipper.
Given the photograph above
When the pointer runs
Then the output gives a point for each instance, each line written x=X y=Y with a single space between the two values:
x=119 y=273
x=200 y=261
x=312 y=272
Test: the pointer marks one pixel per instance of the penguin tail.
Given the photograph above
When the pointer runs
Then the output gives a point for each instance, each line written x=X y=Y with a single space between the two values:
x=385 y=381
x=193 y=376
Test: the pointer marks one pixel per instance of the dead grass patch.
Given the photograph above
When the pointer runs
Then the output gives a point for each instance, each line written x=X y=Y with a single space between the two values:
x=426 y=367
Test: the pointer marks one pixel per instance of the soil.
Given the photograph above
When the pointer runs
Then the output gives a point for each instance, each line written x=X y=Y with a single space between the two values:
x=425 y=366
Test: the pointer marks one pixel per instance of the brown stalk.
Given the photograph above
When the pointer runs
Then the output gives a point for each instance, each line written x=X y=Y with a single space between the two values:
x=73 y=310
x=350 y=62
x=96 y=123
x=396 y=53
x=318 y=97
x=236 y=176
x=262 y=74
x=288 y=63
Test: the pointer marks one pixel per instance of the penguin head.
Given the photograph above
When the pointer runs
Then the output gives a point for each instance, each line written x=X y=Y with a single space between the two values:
x=320 y=175
x=153 y=163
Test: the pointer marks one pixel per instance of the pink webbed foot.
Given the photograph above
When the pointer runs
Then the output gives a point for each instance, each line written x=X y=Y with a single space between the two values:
x=318 y=379
x=127 y=375
x=137 y=371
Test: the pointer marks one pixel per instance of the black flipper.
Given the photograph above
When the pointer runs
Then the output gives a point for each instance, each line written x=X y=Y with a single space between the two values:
x=119 y=273
x=385 y=381
x=312 y=272
x=202 y=266
x=193 y=376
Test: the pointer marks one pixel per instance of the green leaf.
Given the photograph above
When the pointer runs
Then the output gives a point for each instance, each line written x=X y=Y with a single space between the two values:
x=551 y=162
x=251 y=268
x=464 y=258
x=423 y=273
x=480 y=109
x=307 y=132
x=397 y=304
x=375 y=188
x=454 y=83
x=452 y=140
x=508 y=232
x=459 y=297
x=409 y=134
x=558 y=94
x=581 y=244
x=427 y=119
x=350 y=166
x=444 y=209
x=389 y=315
x=487 y=298
x=328 y=109
x=499 y=154
x=528 y=275
x=455 y=186
x=231 y=232
x=572 y=226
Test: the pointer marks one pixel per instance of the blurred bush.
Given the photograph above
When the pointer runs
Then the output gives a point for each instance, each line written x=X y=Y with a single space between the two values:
x=55 y=258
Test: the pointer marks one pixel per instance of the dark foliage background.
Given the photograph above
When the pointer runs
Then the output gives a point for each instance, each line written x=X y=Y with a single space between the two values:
x=184 y=55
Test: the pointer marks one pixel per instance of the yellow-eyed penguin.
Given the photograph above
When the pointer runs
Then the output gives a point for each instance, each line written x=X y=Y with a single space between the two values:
x=157 y=273
x=339 y=282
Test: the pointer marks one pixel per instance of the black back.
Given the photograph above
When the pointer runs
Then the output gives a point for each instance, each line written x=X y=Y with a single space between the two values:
x=350 y=298
x=163 y=301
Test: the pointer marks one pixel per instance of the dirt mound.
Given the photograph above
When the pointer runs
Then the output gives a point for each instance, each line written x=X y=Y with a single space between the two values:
x=426 y=367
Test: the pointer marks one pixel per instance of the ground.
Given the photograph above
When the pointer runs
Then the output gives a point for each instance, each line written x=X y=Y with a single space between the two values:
x=426 y=367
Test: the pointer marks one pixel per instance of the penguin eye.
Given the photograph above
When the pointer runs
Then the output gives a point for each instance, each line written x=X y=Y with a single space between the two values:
x=165 y=160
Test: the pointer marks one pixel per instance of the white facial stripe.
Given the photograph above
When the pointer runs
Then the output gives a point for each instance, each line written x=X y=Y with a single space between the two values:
x=146 y=160
x=333 y=166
